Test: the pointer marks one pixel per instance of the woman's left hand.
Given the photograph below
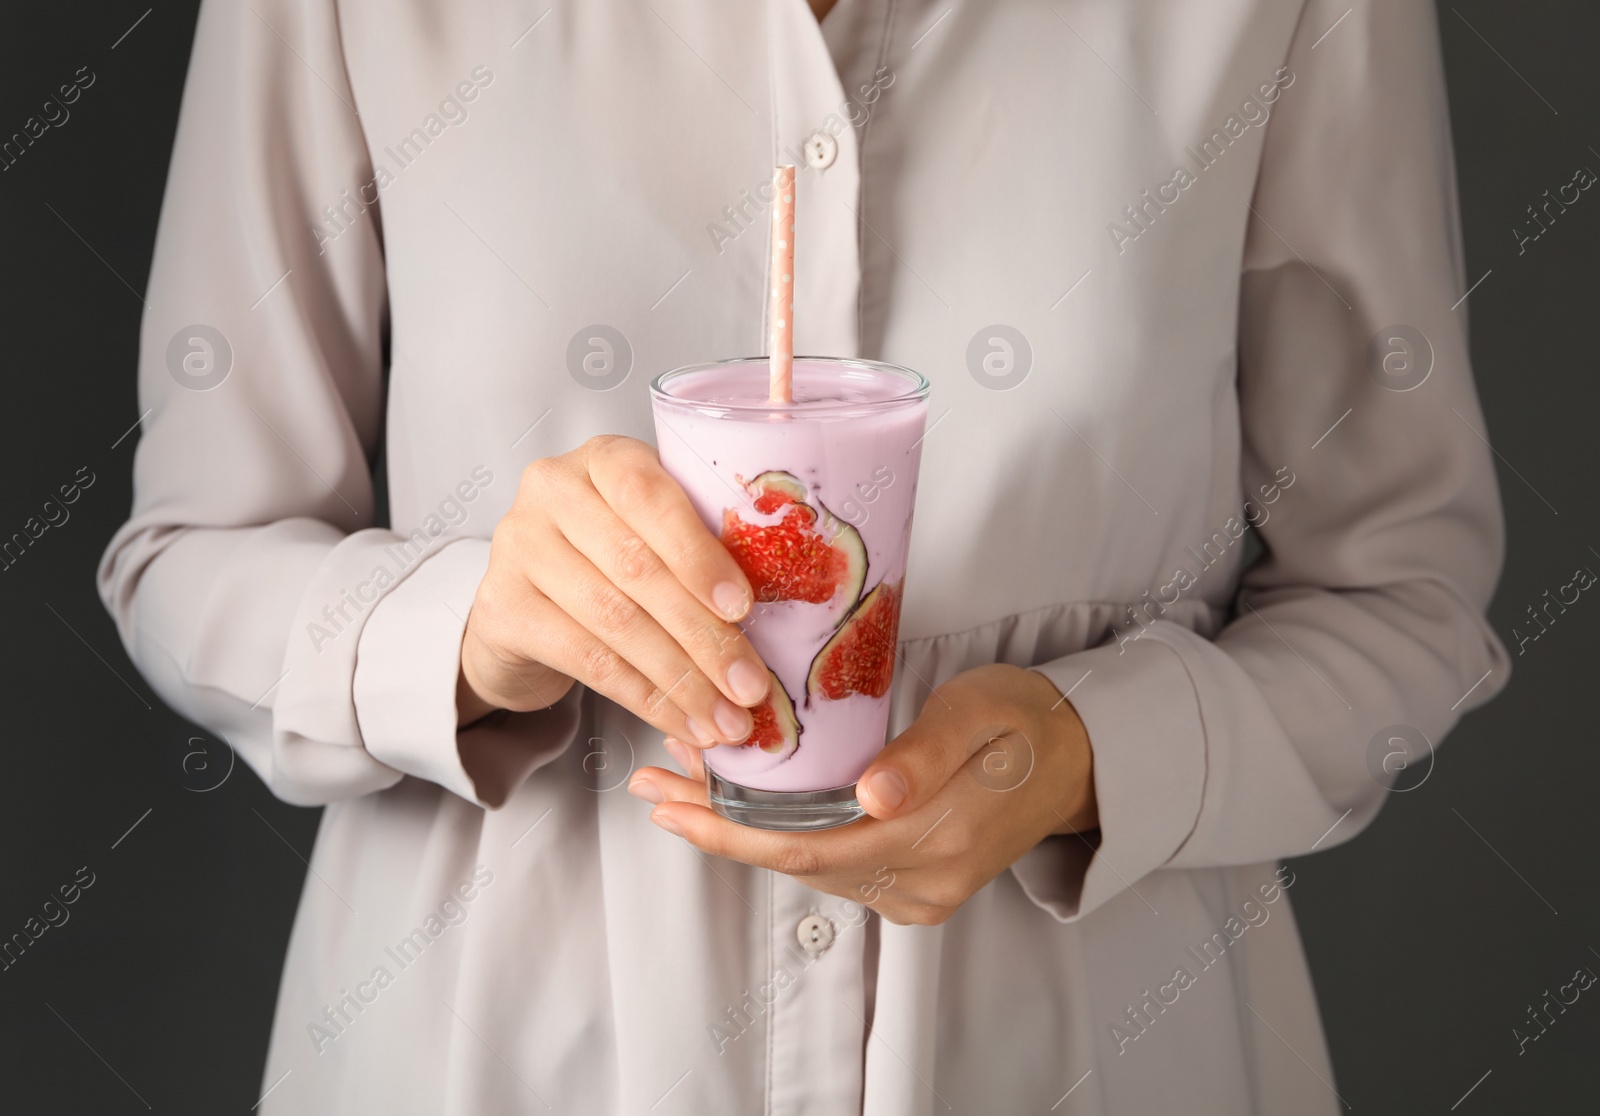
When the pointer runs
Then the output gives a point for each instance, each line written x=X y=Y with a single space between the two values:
x=997 y=761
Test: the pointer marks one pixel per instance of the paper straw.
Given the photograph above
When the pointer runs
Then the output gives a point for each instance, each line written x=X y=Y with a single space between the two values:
x=780 y=305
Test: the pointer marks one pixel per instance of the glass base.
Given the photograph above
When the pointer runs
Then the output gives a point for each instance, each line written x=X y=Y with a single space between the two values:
x=789 y=811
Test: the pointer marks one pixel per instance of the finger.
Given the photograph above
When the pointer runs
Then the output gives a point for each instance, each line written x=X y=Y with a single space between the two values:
x=573 y=583
x=858 y=848
x=628 y=475
x=695 y=768
x=514 y=682
x=912 y=913
x=901 y=896
x=913 y=766
x=537 y=630
x=656 y=785
x=687 y=758
x=717 y=647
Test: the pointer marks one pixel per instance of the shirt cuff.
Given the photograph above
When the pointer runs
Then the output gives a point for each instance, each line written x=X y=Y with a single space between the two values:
x=407 y=664
x=1143 y=719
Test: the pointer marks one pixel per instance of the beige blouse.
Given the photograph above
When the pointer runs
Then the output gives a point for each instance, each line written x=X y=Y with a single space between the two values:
x=1188 y=284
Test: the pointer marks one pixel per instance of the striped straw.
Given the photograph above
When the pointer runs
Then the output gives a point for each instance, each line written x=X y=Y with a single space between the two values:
x=780 y=305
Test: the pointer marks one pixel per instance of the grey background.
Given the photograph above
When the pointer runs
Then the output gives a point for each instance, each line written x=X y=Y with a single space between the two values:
x=1468 y=898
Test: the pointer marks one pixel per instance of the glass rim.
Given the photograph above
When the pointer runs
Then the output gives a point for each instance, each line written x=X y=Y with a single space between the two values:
x=917 y=390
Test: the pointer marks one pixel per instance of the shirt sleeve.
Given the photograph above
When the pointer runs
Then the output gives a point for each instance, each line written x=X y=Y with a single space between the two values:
x=1367 y=608
x=244 y=585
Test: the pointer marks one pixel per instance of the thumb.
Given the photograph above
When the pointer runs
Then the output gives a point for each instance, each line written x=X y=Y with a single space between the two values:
x=915 y=765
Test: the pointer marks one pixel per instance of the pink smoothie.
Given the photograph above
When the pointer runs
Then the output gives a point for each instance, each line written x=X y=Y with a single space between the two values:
x=809 y=478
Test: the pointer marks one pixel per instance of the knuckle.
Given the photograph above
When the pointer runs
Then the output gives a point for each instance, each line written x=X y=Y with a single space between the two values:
x=950 y=890
x=912 y=914
x=537 y=475
x=625 y=458
x=634 y=487
x=714 y=641
x=502 y=540
x=689 y=691
x=655 y=701
x=799 y=862
x=494 y=616
x=691 y=552
x=611 y=609
x=602 y=446
x=511 y=542
x=927 y=914
x=626 y=466
x=635 y=560
x=599 y=664
x=487 y=618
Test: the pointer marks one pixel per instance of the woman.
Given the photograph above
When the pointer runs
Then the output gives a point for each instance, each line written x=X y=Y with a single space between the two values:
x=1203 y=510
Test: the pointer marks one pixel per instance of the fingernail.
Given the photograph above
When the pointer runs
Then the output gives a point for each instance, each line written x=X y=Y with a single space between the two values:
x=645 y=789
x=732 y=601
x=733 y=721
x=888 y=789
x=666 y=823
x=748 y=682
x=679 y=751
x=698 y=731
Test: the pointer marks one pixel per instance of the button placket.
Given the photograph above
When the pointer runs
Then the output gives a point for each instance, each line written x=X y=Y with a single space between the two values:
x=818 y=1002
x=809 y=131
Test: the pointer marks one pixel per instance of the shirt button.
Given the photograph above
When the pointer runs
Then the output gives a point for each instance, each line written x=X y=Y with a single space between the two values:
x=821 y=150
x=815 y=934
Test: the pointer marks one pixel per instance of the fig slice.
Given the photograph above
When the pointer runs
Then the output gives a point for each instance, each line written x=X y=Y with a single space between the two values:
x=808 y=555
x=859 y=659
x=777 y=729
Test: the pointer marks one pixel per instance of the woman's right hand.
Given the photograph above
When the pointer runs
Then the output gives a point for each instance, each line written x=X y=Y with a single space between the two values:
x=602 y=573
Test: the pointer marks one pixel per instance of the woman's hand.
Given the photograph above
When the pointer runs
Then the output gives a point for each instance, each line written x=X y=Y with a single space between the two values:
x=602 y=573
x=997 y=761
